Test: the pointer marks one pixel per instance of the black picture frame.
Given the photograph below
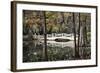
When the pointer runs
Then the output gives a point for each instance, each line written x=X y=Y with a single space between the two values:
x=14 y=35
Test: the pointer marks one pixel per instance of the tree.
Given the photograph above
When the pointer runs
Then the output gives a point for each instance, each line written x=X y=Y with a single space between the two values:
x=45 y=56
x=78 y=45
x=74 y=31
x=83 y=30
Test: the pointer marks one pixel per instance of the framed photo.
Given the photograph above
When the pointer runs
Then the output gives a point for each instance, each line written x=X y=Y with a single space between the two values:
x=52 y=36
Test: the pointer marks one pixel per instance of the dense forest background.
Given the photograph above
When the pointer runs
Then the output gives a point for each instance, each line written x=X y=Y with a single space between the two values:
x=41 y=27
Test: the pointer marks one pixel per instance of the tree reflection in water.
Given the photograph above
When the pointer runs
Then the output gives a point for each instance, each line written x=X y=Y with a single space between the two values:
x=33 y=52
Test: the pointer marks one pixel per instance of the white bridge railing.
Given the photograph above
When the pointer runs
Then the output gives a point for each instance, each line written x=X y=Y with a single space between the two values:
x=59 y=35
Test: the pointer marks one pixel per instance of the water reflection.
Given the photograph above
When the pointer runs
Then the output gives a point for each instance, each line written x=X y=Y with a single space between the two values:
x=33 y=51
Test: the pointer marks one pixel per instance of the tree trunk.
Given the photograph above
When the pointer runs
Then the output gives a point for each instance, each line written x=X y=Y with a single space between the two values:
x=74 y=30
x=83 y=33
x=45 y=56
x=78 y=45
